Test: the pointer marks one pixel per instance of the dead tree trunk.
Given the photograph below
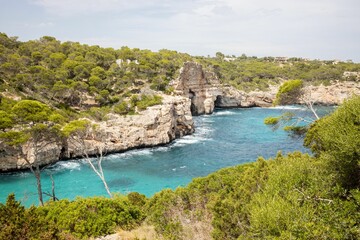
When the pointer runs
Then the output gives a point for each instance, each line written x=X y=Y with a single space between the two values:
x=37 y=175
x=98 y=170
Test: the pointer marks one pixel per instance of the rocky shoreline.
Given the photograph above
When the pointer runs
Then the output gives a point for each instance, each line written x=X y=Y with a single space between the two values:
x=196 y=92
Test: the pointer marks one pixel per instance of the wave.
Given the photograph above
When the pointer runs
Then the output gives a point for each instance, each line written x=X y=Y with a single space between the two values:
x=288 y=107
x=160 y=149
x=188 y=140
x=129 y=154
x=68 y=165
x=221 y=113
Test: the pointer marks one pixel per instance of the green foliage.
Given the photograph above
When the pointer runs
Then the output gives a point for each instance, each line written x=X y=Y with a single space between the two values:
x=67 y=72
x=136 y=101
x=92 y=216
x=289 y=122
x=122 y=108
x=76 y=127
x=271 y=120
x=14 y=138
x=289 y=92
x=160 y=214
x=6 y=120
x=6 y=104
x=16 y=222
x=64 y=219
x=147 y=101
x=31 y=111
x=292 y=196
x=337 y=137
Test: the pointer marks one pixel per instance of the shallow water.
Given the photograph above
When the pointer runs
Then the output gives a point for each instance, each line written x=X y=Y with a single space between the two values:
x=225 y=138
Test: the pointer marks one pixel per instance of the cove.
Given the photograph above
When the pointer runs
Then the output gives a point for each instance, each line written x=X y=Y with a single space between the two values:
x=226 y=138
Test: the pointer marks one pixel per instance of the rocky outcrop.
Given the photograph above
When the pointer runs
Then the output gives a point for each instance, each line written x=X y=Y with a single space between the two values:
x=157 y=125
x=206 y=92
x=334 y=94
x=201 y=87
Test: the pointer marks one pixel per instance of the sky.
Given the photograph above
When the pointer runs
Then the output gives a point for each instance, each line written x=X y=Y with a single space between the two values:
x=316 y=29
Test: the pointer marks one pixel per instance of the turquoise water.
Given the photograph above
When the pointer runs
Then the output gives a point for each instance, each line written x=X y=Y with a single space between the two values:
x=225 y=138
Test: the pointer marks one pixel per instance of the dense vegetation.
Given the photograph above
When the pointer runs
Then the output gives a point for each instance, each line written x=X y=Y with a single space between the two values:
x=70 y=74
x=251 y=73
x=288 y=197
x=46 y=85
x=66 y=219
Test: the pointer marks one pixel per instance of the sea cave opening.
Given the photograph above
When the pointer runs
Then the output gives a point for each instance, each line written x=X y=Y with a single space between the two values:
x=218 y=101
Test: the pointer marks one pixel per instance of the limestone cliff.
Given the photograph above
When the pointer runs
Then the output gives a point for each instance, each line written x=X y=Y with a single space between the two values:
x=334 y=94
x=156 y=125
x=196 y=92
x=206 y=92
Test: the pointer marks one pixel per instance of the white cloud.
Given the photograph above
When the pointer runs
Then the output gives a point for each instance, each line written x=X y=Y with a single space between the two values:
x=256 y=27
x=72 y=7
x=86 y=7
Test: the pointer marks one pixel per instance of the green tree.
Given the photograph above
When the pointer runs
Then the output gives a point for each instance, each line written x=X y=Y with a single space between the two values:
x=291 y=92
x=34 y=133
x=337 y=138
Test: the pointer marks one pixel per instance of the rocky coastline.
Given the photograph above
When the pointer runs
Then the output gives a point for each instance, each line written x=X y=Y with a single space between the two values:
x=196 y=92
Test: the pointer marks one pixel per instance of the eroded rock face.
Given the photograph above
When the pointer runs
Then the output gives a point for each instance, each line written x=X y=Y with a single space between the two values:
x=156 y=125
x=203 y=88
x=206 y=92
x=334 y=94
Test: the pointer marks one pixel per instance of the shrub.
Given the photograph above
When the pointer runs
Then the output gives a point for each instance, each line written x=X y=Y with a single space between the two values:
x=289 y=92
x=148 y=101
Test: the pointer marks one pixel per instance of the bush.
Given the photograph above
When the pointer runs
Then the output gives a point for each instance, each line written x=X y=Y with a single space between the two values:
x=337 y=138
x=122 y=108
x=81 y=218
x=148 y=101
x=289 y=92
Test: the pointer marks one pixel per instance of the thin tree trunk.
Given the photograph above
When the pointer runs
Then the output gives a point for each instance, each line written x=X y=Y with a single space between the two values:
x=38 y=183
x=37 y=175
x=54 y=198
x=100 y=173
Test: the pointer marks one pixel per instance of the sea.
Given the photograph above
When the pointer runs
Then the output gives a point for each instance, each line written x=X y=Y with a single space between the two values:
x=225 y=138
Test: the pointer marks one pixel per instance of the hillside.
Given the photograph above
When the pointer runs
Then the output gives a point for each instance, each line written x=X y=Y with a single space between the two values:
x=75 y=76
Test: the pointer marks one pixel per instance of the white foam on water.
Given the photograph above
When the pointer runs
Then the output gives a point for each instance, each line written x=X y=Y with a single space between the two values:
x=160 y=149
x=188 y=140
x=221 y=113
x=137 y=152
x=288 y=108
x=68 y=165
x=183 y=167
